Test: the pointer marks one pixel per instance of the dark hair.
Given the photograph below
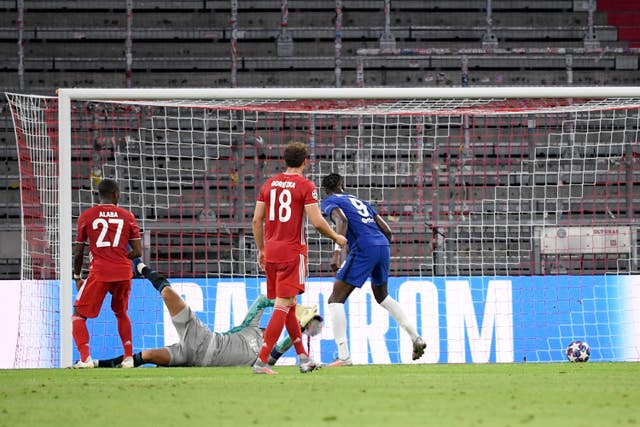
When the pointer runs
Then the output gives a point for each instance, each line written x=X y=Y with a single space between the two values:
x=331 y=182
x=108 y=188
x=295 y=154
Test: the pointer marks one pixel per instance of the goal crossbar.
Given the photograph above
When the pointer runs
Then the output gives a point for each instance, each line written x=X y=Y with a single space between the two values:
x=352 y=93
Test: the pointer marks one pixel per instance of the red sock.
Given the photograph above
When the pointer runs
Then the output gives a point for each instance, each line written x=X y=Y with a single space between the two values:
x=273 y=331
x=293 y=328
x=124 y=330
x=81 y=336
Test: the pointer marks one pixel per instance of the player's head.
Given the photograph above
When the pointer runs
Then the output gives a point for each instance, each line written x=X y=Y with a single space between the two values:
x=314 y=326
x=333 y=183
x=109 y=191
x=296 y=154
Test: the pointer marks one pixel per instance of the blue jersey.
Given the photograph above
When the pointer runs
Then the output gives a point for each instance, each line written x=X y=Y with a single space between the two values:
x=362 y=231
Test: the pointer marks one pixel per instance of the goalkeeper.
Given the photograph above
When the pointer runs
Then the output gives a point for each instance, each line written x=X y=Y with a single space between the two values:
x=198 y=346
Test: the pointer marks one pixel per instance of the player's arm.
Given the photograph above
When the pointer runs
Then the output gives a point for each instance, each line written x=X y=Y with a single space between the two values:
x=258 y=230
x=135 y=240
x=323 y=227
x=78 y=260
x=340 y=220
x=384 y=227
x=78 y=255
x=136 y=248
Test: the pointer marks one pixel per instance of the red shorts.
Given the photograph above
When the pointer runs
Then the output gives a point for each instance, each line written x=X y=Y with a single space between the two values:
x=286 y=279
x=91 y=296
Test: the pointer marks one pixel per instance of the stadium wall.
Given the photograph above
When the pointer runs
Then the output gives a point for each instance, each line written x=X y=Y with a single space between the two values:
x=463 y=319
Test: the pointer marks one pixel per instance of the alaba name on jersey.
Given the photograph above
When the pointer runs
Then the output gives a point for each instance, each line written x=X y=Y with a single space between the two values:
x=362 y=231
x=108 y=229
x=285 y=196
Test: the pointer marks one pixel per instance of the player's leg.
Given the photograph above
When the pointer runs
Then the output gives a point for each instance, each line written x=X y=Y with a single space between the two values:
x=352 y=274
x=191 y=331
x=192 y=349
x=388 y=303
x=295 y=334
x=87 y=305
x=398 y=314
x=174 y=302
x=285 y=316
x=120 y=292
x=110 y=363
x=157 y=356
x=81 y=338
x=275 y=325
x=310 y=323
x=284 y=282
x=379 y=277
x=157 y=280
x=272 y=332
x=291 y=282
x=339 y=295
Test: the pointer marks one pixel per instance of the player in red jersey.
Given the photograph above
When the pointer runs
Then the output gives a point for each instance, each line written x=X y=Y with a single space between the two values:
x=283 y=204
x=110 y=231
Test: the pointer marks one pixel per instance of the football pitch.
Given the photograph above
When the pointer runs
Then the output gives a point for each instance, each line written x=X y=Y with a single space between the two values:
x=558 y=394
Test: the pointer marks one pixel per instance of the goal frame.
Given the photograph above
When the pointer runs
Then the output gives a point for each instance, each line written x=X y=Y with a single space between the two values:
x=67 y=95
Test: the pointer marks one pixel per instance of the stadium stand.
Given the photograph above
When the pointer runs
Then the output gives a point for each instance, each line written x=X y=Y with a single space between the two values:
x=188 y=44
x=84 y=45
x=625 y=16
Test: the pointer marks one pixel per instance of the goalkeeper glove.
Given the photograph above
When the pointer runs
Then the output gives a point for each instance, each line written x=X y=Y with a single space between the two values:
x=305 y=313
x=310 y=320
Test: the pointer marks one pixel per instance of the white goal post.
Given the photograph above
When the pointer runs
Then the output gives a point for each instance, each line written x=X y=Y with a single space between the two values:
x=473 y=219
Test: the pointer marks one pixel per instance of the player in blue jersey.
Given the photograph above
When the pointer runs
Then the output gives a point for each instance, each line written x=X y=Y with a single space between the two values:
x=368 y=237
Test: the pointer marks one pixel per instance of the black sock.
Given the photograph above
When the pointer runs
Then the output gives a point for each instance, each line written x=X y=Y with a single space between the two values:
x=137 y=359
x=157 y=280
x=110 y=363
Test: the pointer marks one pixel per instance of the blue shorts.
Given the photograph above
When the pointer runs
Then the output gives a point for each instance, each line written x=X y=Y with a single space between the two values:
x=359 y=266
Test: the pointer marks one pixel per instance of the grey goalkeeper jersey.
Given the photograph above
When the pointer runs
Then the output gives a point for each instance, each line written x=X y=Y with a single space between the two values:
x=199 y=346
x=238 y=349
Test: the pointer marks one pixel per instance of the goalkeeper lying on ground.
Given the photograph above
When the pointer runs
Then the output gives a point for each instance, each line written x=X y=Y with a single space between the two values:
x=199 y=346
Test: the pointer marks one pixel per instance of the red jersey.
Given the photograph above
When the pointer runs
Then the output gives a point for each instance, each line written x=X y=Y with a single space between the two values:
x=285 y=196
x=108 y=229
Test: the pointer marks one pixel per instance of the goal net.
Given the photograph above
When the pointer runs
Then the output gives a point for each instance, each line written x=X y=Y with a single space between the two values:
x=514 y=212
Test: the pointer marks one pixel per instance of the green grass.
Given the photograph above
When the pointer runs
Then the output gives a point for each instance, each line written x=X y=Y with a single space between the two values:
x=560 y=394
